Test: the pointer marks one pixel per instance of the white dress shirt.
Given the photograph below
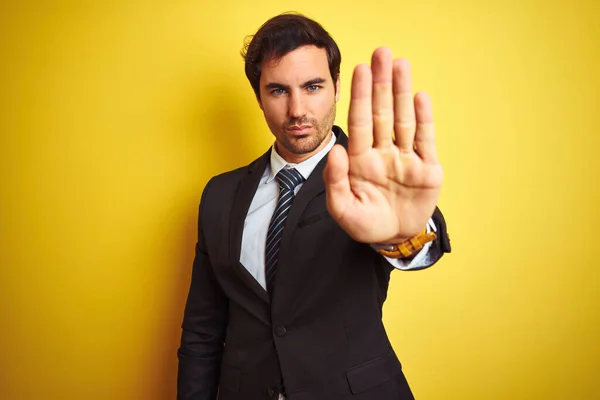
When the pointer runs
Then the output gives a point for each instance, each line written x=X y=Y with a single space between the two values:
x=263 y=206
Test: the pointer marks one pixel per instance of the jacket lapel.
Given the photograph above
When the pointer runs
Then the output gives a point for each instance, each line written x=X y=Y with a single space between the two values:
x=314 y=185
x=243 y=199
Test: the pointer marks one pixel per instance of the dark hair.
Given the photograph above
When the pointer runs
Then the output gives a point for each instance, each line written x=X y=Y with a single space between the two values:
x=281 y=35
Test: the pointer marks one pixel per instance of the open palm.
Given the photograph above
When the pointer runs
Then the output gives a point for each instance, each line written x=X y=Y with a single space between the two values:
x=385 y=188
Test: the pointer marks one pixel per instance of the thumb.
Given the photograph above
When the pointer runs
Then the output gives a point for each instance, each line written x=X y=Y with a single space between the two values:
x=337 y=184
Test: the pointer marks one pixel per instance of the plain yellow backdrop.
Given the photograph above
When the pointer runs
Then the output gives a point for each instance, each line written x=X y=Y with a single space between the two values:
x=114 y=114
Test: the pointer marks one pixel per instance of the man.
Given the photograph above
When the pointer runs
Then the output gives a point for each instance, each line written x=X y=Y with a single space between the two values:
x=295 y=250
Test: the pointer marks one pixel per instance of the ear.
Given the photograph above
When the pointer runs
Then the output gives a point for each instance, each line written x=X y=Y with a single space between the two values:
x=259 y=102
x=337 y=88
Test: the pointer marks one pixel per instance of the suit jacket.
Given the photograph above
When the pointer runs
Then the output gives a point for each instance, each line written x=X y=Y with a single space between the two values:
x=321 y=331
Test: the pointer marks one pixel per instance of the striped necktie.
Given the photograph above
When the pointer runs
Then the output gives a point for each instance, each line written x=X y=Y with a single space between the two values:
x=288 y=180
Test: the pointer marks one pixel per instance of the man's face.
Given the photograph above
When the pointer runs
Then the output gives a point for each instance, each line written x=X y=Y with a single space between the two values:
x=298 y=96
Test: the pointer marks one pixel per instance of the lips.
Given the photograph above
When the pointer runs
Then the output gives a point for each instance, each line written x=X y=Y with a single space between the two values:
x=299 y=129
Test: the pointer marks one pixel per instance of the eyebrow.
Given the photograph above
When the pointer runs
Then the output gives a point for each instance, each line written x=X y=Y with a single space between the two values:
x=276 y=85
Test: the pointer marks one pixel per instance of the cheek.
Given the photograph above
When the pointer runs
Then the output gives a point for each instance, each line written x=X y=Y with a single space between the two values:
x=270 y=114
x=273 y=115
x=324 y=108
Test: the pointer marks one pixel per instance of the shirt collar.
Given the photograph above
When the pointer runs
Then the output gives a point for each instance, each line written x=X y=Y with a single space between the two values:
x=306 y=167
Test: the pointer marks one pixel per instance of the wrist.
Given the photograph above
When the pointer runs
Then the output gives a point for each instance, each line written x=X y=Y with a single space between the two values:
x=393 y=241
x=406 y=248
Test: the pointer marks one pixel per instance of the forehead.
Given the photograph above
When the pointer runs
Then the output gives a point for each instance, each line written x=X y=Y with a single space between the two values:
x=299 y=65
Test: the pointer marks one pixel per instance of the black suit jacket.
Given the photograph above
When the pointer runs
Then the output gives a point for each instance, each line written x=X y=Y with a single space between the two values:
x=321 y=333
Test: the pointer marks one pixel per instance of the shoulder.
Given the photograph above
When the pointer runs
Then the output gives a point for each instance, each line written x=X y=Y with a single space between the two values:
x=226 y=183
x=236 y=175
x=229 y=177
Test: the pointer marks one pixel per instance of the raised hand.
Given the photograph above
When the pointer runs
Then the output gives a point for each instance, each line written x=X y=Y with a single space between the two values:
x=385 y=188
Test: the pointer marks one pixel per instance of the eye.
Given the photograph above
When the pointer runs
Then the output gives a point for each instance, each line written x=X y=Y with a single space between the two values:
x=277 y=92
x=313 y=88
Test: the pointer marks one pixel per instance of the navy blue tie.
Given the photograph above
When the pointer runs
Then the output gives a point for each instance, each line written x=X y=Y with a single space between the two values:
x=288 y=180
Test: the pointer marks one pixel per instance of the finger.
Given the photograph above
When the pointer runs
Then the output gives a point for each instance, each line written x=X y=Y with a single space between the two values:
x=337 y=183
x=425 y=136
x=360 y=119
x=383 y=98
x=404 y=109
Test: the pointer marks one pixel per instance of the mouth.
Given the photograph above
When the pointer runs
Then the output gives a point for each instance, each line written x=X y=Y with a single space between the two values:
x=299 y=129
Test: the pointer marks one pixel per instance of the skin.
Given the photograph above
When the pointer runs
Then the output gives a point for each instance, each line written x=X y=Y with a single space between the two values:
x=385 y=187
x=298 y=98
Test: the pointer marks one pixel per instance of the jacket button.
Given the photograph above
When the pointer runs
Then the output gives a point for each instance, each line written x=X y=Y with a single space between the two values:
x=280 y=331
x=271 y=392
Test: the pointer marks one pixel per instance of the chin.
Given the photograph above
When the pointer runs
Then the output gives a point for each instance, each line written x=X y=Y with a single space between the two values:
x=301 y=145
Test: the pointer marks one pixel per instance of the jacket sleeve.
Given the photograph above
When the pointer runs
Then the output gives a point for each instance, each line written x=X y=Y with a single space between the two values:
x=431 y=252
x=204 y=325
x=441 y=244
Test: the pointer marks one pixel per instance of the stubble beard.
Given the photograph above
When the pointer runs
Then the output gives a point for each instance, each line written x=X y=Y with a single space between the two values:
x=308 y=143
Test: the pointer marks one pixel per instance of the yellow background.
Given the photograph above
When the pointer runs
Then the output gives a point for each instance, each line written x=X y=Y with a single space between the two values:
x=114 y=114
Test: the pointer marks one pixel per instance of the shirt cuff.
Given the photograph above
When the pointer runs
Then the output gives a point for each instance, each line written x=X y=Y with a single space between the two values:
x=419 y=261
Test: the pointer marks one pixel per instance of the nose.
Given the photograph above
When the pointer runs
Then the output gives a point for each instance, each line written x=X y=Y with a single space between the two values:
x=296 y=108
